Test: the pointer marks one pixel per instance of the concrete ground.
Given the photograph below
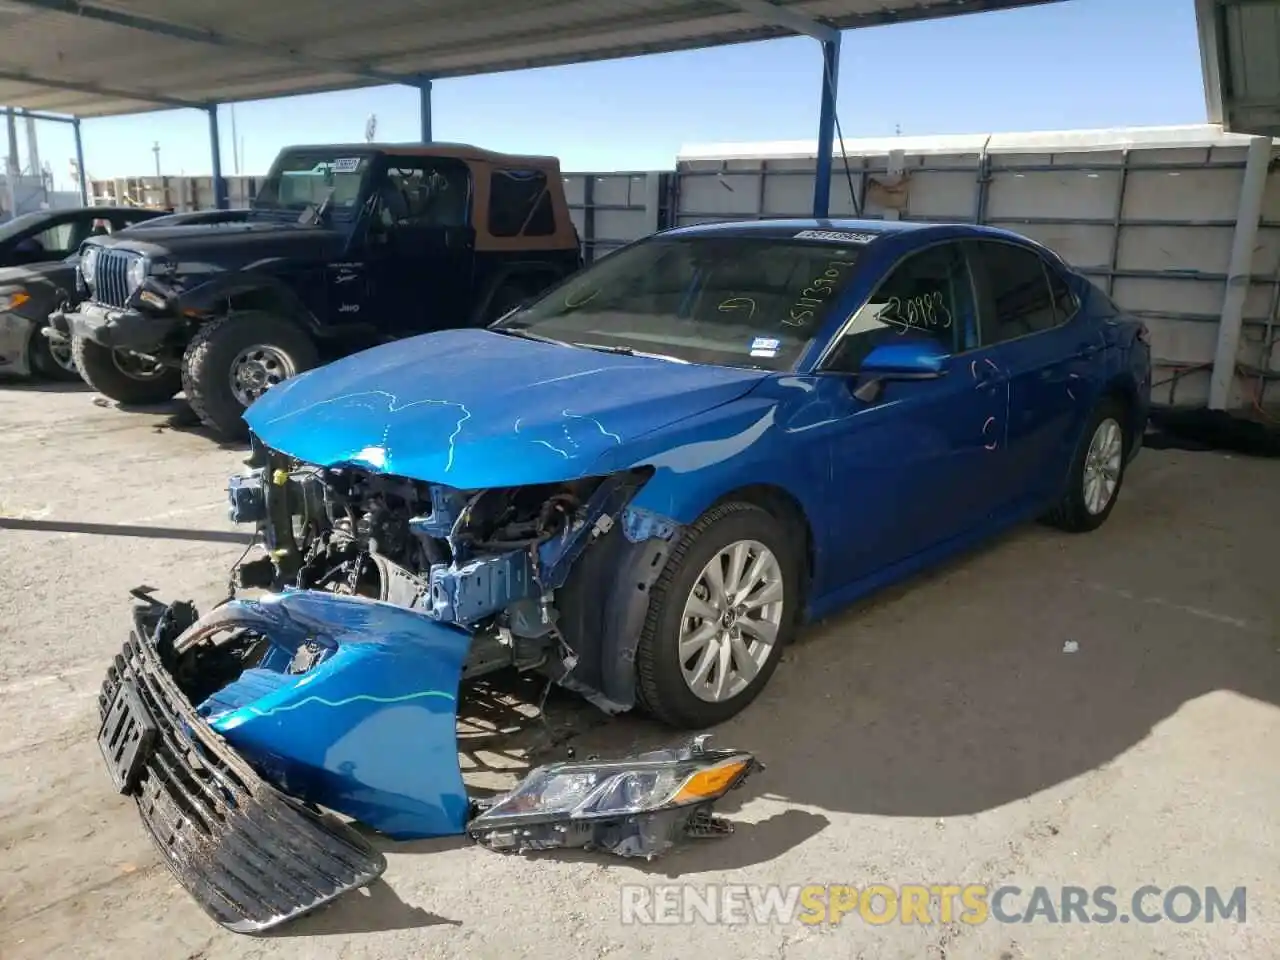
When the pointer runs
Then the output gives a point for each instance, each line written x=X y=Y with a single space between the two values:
x=937 y=735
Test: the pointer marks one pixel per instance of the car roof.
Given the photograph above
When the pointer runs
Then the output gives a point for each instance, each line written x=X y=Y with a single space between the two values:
x=789 y=228
x=459 y=151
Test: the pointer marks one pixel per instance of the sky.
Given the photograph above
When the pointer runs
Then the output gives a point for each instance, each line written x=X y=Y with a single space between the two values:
x=1078 y=64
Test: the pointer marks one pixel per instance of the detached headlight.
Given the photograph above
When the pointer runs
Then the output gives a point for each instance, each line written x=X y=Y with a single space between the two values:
x=635 y=807
x=88 y=264
x=137 y=273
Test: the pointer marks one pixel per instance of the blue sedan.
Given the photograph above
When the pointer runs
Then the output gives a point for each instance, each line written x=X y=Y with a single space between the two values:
x=643 y=481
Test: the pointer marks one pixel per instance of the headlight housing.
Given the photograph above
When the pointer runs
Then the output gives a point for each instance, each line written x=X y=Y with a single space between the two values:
x=88 y=264
x=137 y=273
x=635 y=807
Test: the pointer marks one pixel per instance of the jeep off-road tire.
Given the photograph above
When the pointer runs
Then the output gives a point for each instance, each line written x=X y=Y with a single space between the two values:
x=207 y=365
x=662 y=688
x=100 y=369
x=1103 y=452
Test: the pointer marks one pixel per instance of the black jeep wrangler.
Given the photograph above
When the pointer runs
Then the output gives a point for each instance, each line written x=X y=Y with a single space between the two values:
x=345 y=247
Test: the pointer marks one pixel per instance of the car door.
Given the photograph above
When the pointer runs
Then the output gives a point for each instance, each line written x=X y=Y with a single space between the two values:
x=421 y=246
x=921 y=463
x=1028 y=317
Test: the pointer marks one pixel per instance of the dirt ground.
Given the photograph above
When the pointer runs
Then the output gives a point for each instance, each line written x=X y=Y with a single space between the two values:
x=936 y=735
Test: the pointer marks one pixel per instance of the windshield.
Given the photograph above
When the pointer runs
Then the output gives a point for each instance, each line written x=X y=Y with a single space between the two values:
x=15 y=226
x=734 y=301
x=299 y=179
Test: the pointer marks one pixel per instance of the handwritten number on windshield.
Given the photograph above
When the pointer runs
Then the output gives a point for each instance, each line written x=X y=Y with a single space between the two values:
x=817 y=294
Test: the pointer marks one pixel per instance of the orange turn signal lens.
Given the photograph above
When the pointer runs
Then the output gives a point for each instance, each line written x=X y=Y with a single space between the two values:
x=712 y=782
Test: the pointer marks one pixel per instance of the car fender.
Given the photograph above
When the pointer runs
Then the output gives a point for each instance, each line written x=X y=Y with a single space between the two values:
x=213 y=295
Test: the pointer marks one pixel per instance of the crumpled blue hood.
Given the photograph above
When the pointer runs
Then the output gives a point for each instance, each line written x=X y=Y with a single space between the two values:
x=474 y=409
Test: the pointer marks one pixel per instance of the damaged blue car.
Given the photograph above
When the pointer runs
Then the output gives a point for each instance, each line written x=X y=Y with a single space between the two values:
x=637 y=485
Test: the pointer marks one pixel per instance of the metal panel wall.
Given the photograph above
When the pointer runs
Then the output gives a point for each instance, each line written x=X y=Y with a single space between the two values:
x=1152 y=225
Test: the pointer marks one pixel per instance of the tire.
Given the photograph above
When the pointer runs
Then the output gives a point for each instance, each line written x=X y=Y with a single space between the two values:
x=100 y=368
x=50 y=363
x=207 y=365
x=662 y=687
x=1074 y=512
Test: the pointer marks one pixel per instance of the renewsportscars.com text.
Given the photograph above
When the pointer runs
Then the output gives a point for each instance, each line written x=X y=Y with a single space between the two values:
x=924 y=904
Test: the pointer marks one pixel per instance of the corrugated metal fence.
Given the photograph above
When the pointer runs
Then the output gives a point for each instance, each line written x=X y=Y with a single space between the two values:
x=1150 y=214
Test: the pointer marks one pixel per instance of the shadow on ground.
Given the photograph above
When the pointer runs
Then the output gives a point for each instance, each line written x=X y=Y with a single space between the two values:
x=32 y=385
x=372 y=908
x=955 y=693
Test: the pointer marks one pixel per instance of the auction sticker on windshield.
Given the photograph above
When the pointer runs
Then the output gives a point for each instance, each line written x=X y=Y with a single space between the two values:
x=345 y=165
x=839 y=236
x=765 y=347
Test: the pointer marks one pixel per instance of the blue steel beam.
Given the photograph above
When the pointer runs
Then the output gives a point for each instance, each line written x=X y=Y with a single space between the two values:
x=80 y=174
x=424 y=108
x=215 y=142
x=177 y=31
x=93 y=89
x=826 y=126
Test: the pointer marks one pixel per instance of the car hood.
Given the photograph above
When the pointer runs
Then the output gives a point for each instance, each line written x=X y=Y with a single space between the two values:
x=230 y=244
x=474 y=409
x=53 y=273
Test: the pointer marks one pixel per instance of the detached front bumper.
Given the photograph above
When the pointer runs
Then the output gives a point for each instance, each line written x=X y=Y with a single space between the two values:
x=251 y=857
x=116 y=328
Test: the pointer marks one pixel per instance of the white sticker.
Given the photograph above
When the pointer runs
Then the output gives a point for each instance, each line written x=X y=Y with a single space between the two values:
x=765 y=347
x=345 y=165
x=840 y=236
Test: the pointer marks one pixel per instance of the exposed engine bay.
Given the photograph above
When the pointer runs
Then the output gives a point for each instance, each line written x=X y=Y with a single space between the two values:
x=490 y=561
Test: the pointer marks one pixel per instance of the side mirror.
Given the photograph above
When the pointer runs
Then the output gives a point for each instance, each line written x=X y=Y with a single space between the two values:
x=911 y=360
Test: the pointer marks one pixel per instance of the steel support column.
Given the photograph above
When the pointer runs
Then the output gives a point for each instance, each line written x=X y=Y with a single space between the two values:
x=215 y=144
x=82 y=176
x=424 y=107
x=826 y=126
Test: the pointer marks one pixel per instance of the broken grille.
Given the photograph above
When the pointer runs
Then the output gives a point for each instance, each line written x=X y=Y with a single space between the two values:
x=249 y=855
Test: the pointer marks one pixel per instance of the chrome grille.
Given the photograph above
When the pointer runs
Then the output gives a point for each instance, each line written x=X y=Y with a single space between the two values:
x=111 y=276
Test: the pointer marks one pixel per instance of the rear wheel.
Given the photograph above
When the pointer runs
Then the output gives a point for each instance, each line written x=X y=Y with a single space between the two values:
x=127 y=378
x=1097 y=471
x=52 y=359
x=719 y=616
x=233 y=361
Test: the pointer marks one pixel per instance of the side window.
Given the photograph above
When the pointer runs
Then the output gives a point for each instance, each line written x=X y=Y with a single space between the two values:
x=926 y=295
x=423 y=192
x=1016 y=298
x=58 y=240
x=520 y=203
x=1064 y=301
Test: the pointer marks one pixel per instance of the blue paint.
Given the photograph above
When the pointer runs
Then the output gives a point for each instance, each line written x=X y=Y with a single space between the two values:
x=932 y=464
x=370 y=730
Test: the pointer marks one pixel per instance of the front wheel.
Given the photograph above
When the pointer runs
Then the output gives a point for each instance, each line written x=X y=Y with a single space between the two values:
x=52 y=359
x=127 y=378
x=1097 y=471
x=233 y=361
x=719 y=616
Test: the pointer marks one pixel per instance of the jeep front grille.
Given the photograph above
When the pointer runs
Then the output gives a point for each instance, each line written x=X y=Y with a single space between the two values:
x=111 y=276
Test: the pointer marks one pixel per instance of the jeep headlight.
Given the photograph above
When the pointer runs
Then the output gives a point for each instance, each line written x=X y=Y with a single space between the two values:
x=88 y=263
x=137 y=272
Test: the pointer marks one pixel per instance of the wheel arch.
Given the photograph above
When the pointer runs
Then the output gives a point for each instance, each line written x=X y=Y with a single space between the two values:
x=251 y=292
x=781 y=504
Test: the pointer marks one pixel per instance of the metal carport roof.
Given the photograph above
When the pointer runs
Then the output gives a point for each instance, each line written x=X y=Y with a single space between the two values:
x=96 y=59
x=1240 y=54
